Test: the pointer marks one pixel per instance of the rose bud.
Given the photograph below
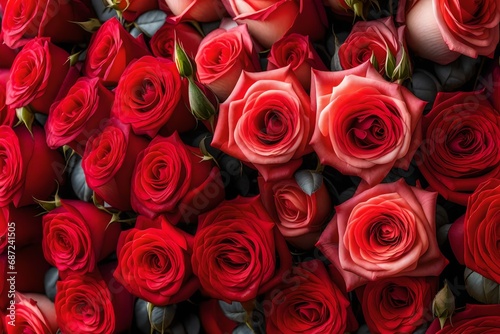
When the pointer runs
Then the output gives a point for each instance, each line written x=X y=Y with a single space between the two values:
x=106 y=163
x=80 y=114
x=267 y=121
x=162 y=42
x=385 y=231
x=111 y=49
x=299 y=216
x=365 y=125
x=475 y=319
x=7 y=113
x=461 y=144
x=306 y=290
x=441 y=30
x=155 y=263
x=132 y=9
x=269 y=21
x=297 y=51
x=397 y=304
x=30 y=169
x=25 y=222
x=77 y=235
x=196 y=10
x=346 y=9
x=23 y=21
x=37 y=75
x=7 y=55
x=443 y=305
x=170 y=178
x=235 y=248
x=148 y=97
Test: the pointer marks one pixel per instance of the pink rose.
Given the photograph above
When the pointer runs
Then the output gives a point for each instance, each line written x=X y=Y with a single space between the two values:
x=196 y=10
x=34 y=313
x=7 y=113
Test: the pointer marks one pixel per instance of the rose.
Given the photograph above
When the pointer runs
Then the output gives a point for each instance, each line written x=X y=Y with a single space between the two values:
x=73 y=119
x=196 y=10
x=35 y=313
x=269 y=21
x=377 y=41
x=475 y=319
x=169 y=178
x=298 y=216
x=36 y=75
x=30 y=169
x=442 y=30
x=234 y=251
x=132 y=9
x=267 y=122
x=386 y=231
x=480 y=230
x=148 y=98
x=23 y=21
x=461 y=144
x=398 y=304
x=223 y=54
x=111 y=49
x=297 y=51
x=307 y=302
x=155 y=263
x=7 y=55
x=346 y=9
x=27 y=227
x=163 y=41
x=365 y=126
x=7 y=114
x=213 y=319
x=76 y=236
x=106 y=163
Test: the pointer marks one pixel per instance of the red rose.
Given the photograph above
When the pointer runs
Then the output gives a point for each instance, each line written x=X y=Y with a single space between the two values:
x=307 y=302
x=398 y=304
x=299 y=216
x=24 y=20
x=79 y=114
x=7 y=55
x=155 y=263
x=111 y=49
x=267 y=121
x=7 y=113
x=365 y=125
x=132 y=9
x=461 y=145
x=30 y=169
x=213 y=319
x=269 y=21
x=34 y=313
x=37 y=75
x=106 y=163
x=163 y=41
x=235 y=248
x=148 y=97
x=222 y=56
x=170 y=178
x=441 y=30
x=297 y=51
x=196 y=10
x=475 y=319
x=386 y=231
x=25 y=223
x=76 y=236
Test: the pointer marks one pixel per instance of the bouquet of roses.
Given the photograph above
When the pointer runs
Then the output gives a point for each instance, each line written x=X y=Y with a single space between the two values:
x=249 y=166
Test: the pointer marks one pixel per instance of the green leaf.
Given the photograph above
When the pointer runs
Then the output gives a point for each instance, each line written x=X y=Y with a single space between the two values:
x=309 y=181
x=390 y=62
x=200 y=105
x=91 y=25
x=150 y=22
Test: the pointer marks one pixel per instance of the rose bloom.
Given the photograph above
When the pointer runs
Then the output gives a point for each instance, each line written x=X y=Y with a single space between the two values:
x=196 y=10
x=297 y=51
x=441 y=30
x=481 y=230
x=365 y=125
x=234 y=251
x=24 y=20
x=73 y=119
x=28 y=226
x=111 y=49
x=476 y=319
x=461 y=145
x=299 y=216
x=148 y=98
x=373 y=41
x=29 y=168
x=397 y=304
x=163 y=41
x=386 y=231
x=267 y=121
x=170 y=178
x=222 y=56
x=37 y=75
x=77 y=235
x=269 y=21
x=309 y=303
x=7 y=113
x=155 y=263
x=35 y=313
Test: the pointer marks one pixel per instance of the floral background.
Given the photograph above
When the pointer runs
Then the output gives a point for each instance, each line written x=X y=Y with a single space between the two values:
x=249 y=166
